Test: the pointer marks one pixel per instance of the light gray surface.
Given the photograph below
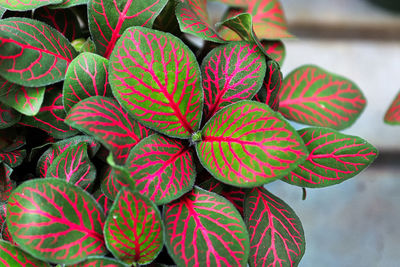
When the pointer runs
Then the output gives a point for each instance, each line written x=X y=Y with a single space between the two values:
x=354 y=224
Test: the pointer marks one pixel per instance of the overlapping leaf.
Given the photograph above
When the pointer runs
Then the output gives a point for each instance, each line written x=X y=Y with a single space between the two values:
x=32 y=53
x=56 y=149
x=276 y=233
x=235 y=195
x=333 y=158
x=55 y=221
x=314 y=96
x=6 y=184
x=99 y=261
x=51 y=115
x=87 y=76
x=275 y=49
x=22 y=5
x=204 y=229
x=161 y=168
x=103 y=200
x=13 y=158
x=155 y=76
x=108 y=19
x=73 y=165
x=2 y=11
x=133 y=231
x=193 y=18
x=26 y=100
x=11 y=255
x=247 y=144
x=231 y=72
x=271 y=86
x=63 y=20
x=105 y=119
x=392 y=115
x=8 y=116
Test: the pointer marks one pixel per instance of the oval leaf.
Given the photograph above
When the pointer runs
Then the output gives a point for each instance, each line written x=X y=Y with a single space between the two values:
x=26 y=100
x=204 y=229
x=155 y=76
x=275 y=49
x=314 y=96
x=56 y=149
x=161 y=168
x=231 y=72
x=11 y=255
x=276 y=234
x=108 y=19
x=55 y=221
x=87 y=76
x=73 y=165
x=70 y=3
x=22 y=5
x=50 y=117
x=105 y=119
x=392 y=115
x=193 y=18
x=32 y=53
x=247 y=144
x=13 y=158
x=334 y=157
x=134 y=231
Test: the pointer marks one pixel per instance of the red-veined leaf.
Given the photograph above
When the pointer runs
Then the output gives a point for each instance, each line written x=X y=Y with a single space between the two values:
x=110 y=185
x=5 y=234
x=268 y=93
x=11 y=255
x=99 y=261
x=3 y=212
x=108 y=19
x=26 y=100
x=63 y=20
x=155 y=76
x=8 y=116
x=2 y=11
x=276 y=234
x=193 y=18
x=6 y=184
x=56 y=149
x=86 y=76
x=248 y=144
x=392 y=115
x=32 y=53
x=161 y=168
x=22 y=5
x=333 y=158
x=231 y=72
x=55 y=221
x=50 y=117
x=242 y=25
x=105 y=119
x=103 y=201
x=275 y=49
x=314 y=96
x=235 y=195
x=133 y=231
x=204 y=229
x=73 y=165
x=70 y=3
x=13 y=158
x=268 y=19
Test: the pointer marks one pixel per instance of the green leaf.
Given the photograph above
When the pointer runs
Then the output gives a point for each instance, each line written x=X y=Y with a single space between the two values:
x=247 y=144
x=11 y=255
x=55 y=221
x=333 y=158
x=156 y=78
x=33 y=53
x=133 y=230
x=23 y=5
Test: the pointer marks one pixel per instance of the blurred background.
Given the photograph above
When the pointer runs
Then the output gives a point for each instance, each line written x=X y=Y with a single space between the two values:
x=355 y=223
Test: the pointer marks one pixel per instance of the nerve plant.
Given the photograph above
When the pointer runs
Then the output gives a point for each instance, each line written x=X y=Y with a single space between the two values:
x=125 y=142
